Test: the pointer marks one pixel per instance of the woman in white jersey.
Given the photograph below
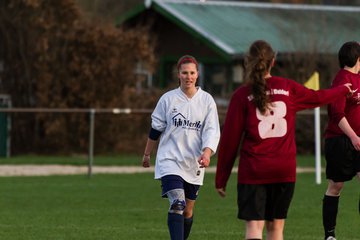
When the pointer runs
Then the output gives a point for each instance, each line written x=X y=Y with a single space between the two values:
x=186 y=121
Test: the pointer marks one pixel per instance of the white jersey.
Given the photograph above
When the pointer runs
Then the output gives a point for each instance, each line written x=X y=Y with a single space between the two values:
x=187 y=126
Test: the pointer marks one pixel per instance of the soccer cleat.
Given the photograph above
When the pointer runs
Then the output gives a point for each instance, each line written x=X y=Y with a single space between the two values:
x=331 y=238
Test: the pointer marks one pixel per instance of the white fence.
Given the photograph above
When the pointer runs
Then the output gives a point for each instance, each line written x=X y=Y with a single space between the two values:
x=92 y=113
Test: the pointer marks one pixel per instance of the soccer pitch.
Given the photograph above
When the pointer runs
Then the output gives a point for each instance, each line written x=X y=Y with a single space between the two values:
x=128 y=206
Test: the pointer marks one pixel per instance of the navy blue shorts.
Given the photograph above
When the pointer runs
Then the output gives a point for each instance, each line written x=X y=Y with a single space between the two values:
x=171 y=182
x=342 y=160
x=264 y=201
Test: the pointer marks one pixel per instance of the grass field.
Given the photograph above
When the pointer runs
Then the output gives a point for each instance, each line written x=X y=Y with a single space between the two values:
x=118 y=160
x=128 y=206
x=78 y=160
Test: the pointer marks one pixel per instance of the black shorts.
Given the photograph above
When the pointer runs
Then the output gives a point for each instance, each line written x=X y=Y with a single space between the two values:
x=264 y=201
x=342 y=160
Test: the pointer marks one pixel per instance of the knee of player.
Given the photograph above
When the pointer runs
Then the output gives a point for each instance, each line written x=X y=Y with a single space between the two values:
x=335 y=188
x=177 y=206
x=188 y=213
x=338 y=186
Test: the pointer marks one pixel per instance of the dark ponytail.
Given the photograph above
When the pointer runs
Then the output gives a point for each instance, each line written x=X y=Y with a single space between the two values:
x=257 y=64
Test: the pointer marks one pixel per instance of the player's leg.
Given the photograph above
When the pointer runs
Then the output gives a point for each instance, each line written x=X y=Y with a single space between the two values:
x=188 y=217
x=251 y=208
x=279 y=196
x=358 y=176
x=330 y=207
x=275 y=229
x=191 y=193
x=340 y=158
x=254 y=229
x=172 y=187
x=175 y=214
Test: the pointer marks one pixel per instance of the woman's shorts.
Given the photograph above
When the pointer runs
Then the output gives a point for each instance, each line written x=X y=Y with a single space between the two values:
x=342 y=160
x=171 y=182
x=264 y=201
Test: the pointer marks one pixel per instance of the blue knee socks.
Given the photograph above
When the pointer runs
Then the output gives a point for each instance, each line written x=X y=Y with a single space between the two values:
x=187 y=226
x=176 y=226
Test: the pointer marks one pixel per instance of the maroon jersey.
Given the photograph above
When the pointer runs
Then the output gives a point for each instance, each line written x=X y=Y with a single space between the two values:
x=348 y=107
x=268 y=151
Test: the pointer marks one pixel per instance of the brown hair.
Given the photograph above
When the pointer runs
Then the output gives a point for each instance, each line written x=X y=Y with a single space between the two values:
x=257 y=63
x=187 y=59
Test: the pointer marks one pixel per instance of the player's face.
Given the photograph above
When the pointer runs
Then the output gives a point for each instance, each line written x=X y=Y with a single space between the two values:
x=187 y=75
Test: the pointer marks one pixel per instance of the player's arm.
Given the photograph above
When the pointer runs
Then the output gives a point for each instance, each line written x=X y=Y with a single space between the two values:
x=347 y=129
x=308 y=98
x=210 y=136
x=204 y=159
x=337 y=109
x=158 y=125
x=230 y=139
x=150 y=144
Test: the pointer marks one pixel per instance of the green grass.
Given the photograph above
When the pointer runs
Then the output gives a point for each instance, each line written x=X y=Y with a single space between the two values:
x=122 y=160
x=308 y=161
x=128 y=206
x=117 y=160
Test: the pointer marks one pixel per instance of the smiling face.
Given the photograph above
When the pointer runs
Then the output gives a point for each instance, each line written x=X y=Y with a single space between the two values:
x=188 y=75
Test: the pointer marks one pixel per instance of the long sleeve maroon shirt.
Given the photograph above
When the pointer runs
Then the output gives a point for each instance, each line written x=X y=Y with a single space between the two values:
x=268 y=150
x=348 y=107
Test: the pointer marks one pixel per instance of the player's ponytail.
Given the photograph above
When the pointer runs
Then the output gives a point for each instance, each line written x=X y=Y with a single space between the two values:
x=257 y=64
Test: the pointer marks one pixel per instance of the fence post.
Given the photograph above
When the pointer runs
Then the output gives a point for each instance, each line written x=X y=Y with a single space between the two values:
x=317 y=146
x=91 y=141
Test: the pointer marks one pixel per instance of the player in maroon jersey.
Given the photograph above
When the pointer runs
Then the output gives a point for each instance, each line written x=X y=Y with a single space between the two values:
x=342 y=141
x=261 y=116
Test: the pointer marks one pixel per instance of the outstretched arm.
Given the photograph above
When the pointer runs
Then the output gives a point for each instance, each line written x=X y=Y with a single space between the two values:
x=307 y=98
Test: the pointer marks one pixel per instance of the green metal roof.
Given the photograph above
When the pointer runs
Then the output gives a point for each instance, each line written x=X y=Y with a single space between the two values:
x=230 y=27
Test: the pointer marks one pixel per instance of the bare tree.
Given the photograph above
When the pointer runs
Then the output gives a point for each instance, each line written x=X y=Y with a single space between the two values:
x=55 y=58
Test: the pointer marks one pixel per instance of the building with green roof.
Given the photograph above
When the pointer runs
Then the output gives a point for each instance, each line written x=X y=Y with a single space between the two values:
x=218 y=34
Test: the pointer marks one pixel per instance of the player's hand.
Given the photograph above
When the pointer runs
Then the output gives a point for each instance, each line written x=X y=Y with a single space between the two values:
x=356 y=143
x=351 y=92
x=204 y=161
x=221 y=192
x=146 y=161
